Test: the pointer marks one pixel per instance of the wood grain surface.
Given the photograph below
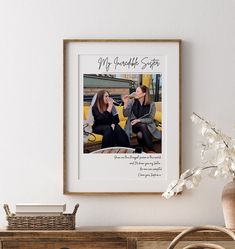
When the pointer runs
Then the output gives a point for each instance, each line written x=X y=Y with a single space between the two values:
x=107 y=238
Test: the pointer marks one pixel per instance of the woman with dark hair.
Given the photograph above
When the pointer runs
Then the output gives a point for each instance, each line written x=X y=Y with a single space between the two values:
x=106 y=122
x=140 y=112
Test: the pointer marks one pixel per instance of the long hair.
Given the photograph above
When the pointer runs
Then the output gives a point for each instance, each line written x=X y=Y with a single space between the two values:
x=147 y=97
x=99 y=103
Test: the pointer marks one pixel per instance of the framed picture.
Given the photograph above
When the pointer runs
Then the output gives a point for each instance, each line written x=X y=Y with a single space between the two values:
x=121 y=115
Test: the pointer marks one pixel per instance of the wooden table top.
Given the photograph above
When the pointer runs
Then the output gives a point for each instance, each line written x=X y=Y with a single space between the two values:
x=122 y=232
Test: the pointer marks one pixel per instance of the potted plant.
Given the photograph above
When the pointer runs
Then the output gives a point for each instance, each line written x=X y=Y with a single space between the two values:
x=218 y=160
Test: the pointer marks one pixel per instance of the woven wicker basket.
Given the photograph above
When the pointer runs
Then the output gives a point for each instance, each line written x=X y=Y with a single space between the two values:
x=60 y=222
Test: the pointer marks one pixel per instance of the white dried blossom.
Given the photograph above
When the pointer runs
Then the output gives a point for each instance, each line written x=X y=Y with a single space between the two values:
x=178 y=189
x=168 y=194
x=213 y=173
x=180 y=185
x=189 y=184
x=195 y=119
x=232 y=165
x=186 y=174
x=217 y=156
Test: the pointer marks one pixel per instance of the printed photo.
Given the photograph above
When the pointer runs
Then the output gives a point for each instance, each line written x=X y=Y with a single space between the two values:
x=122 y=113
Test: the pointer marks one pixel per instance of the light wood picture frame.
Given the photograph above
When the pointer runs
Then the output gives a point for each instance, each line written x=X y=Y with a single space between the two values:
x=119 y=67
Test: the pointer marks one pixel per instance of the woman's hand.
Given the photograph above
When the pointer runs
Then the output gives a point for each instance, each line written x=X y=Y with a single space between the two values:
x=113 y=126
x=135 y=121
x=125 y=99
x=110 y=105
x=110 y=102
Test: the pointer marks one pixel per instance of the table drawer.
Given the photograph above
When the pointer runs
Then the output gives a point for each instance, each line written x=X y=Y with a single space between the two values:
x=63 y=245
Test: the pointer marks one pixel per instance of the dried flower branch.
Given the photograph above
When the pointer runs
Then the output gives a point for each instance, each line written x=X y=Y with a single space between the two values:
x=217 y=157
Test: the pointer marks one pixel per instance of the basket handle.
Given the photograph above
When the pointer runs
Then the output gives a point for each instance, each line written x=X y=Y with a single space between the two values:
x=75 y=209
x=7 y=209
x=200 y=228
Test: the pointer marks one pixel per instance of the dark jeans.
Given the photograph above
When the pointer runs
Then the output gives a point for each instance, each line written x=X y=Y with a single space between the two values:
x=116 y=137
x=144 y=137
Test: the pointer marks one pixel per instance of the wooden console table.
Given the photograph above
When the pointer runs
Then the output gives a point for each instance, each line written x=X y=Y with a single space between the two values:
x=106 y=238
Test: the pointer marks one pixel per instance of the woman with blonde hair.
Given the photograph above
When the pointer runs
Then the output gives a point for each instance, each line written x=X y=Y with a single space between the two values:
x=140 y=112
x=106 y=122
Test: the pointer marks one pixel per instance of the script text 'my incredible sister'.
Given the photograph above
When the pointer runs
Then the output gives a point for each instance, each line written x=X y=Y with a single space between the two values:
x=131 y=62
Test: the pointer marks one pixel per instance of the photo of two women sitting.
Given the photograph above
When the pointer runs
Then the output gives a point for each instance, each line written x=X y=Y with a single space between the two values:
x=139 y=112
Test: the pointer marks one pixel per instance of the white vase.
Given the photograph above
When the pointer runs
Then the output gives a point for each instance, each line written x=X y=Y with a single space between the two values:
x=228 y=204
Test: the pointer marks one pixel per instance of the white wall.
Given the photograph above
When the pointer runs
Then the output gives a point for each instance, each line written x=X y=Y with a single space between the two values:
x=31 y=91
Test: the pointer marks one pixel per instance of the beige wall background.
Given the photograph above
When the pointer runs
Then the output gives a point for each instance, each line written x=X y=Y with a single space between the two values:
x=31 y=95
